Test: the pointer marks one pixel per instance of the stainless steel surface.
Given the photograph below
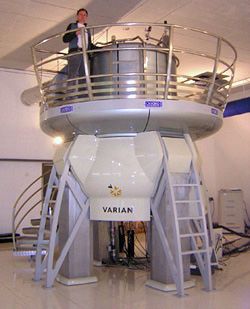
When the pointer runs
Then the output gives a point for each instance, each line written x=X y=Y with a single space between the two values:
x=127 y=116
x=133 y=70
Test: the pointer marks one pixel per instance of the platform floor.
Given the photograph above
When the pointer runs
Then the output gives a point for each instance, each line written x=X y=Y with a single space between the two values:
x=120 y=288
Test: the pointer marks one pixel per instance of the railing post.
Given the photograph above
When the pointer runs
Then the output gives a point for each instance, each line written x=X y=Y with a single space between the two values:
x=39 y=80
x=217 y=58
x=85 y=62
x=170 y=57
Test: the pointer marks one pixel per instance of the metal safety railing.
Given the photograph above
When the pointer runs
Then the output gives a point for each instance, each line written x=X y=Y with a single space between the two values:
x=138 y=60
x=28 y=201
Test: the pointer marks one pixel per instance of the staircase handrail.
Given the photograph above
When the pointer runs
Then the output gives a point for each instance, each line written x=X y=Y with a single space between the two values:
x=17 y=209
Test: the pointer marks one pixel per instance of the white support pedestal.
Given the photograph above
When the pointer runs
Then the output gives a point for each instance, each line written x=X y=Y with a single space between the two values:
x=168 y=287
x=76 y=281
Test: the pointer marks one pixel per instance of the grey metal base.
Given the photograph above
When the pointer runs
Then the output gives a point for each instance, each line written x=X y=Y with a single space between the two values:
x=168 y=287
x=76 y=281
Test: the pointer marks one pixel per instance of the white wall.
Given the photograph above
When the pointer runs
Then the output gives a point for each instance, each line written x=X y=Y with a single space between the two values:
x=21 y=138
x=226 y=158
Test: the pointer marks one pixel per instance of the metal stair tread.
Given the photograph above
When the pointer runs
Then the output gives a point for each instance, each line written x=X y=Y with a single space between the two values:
x=33 y=230
x=30 y=240
x=192 y=234
x=190 y=218
x=185 y=185
x=36 y=221
x=27 y=251
x=26 y=237
x=194 y=251
x=25 y=248
x=30 y=230
x=44 y=243
x=187 y=201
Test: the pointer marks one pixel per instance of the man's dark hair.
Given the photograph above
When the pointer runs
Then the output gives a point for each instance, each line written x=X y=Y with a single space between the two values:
x=82 y=9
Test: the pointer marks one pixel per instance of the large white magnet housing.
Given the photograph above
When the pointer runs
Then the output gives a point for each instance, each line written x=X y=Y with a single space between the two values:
x=119 y=174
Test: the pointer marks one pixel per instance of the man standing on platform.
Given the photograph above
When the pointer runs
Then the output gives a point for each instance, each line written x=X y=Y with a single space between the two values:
x=74 y=38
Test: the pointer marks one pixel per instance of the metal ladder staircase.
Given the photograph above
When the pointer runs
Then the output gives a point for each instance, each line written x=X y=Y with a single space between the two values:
x=188 y=213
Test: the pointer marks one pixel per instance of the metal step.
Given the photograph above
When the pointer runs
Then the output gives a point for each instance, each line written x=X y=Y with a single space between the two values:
x=185 y=185
x=190 y=218
x=192 y=234
x=24 y=238
x=33 y=230
x=29 y=240
x=36 y=222
x=187 y=201
x=193 y=251
x=27 y=251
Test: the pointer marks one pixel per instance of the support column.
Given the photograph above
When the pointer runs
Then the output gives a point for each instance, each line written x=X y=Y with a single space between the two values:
x=77 y=266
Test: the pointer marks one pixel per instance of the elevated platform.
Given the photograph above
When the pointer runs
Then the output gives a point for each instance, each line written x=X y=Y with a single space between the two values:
x=170 y=117
x=138 y=78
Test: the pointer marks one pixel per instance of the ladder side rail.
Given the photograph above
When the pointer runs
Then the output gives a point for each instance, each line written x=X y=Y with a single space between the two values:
x=178 y=256
x=209 y=215
x=207 y=279
x=38 y=264
x=213 y=254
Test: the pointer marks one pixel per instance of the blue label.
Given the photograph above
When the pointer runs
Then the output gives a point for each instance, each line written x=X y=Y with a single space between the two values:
x=66 y=109
x=153 y=103
x=214 y=111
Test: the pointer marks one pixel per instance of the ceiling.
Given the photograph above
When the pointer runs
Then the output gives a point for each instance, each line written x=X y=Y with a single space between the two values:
x=26 y=22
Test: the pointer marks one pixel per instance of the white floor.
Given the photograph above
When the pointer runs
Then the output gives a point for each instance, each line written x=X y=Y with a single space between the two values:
x=120 y=288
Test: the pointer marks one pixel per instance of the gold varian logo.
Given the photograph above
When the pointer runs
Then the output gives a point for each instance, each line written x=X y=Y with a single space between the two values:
x=115 y=191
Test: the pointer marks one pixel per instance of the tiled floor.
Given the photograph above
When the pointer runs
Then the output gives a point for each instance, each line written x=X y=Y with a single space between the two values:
x=120 y=288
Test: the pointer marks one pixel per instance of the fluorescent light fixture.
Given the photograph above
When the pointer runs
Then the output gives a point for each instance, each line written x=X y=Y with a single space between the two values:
x=241 y=82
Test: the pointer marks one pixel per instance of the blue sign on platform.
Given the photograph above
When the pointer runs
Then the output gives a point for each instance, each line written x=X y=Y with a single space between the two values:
x=66 y=109
x=214 y=111
x=152 y=103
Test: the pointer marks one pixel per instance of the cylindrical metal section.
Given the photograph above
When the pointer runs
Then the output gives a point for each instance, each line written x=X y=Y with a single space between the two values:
x=131 y=69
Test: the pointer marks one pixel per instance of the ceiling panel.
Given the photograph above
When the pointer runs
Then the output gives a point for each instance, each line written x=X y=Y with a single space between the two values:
x=13 y=6
x=154 y=11
x=72 y=5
